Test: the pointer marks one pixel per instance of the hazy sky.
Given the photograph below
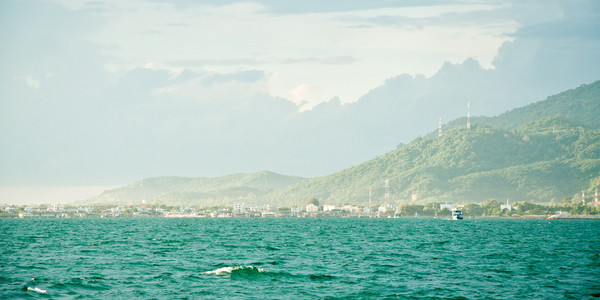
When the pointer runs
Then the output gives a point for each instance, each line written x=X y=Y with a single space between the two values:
x=108 y=92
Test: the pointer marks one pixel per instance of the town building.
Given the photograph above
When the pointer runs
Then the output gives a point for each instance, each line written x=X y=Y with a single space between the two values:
x=312 y=208
x=328 y=207
x=507 y=206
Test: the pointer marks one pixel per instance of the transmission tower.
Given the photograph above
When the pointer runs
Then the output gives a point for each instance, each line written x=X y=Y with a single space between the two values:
x=468 y=115
x=440 y=127
x=387 y=192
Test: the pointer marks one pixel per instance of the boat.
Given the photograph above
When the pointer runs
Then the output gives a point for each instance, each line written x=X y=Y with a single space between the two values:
x=457 y=214
x=416 y=215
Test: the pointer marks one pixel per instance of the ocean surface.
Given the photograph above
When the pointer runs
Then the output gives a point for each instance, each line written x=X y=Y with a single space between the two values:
x=287 y=258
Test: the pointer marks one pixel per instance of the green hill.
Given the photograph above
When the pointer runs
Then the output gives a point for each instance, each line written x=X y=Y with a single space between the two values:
x=203 y=191
x=580 y=106
x=545 y=151
x=545 y=160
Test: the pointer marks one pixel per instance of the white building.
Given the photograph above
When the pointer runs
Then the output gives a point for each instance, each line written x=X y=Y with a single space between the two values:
x=238 y=207
x=312 y=208
x=251 y=208
x=350 y=208
x=268 y=214
x=507 y=206
x=328 y=207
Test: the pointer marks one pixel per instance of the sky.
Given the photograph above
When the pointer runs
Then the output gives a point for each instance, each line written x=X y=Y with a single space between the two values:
x=104 y=93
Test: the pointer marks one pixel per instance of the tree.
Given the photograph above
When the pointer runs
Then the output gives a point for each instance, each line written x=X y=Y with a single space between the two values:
x=491 y=203
x=473 y=209
x=491 y=207
x=578 y=208
x=525 y=207
x=495 y=211
x=445 y=213
x=313 y=200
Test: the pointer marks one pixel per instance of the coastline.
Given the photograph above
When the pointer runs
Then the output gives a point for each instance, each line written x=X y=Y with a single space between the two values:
x=179 y=215
x=574 y=217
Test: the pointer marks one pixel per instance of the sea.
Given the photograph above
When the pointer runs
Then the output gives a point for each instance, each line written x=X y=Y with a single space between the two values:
x=299 y=258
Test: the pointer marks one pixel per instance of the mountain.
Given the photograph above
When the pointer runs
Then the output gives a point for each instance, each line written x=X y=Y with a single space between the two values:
x=203 y=191
x=547 y=159
x=543 y=151
x=580 y=105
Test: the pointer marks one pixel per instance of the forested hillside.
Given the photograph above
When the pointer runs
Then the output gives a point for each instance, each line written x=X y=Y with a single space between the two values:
x=542 y=152
x=204 y=191
x=580 y=106
x=549 y=158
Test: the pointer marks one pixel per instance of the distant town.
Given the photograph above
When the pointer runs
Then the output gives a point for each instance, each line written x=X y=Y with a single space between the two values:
x=490 y=208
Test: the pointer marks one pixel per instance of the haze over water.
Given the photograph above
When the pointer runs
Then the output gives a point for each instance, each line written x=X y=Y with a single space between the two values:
x=299 y=258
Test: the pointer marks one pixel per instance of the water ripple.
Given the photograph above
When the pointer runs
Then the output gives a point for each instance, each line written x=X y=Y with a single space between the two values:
x=299 y=258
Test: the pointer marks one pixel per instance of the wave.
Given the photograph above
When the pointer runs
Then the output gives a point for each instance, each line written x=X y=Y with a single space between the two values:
x=36 y=289
x=252 y=272
x=238 y=270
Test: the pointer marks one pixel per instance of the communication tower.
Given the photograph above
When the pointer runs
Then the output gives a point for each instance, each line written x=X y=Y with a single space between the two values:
x=369 y=198
x=468 y=115
x=440 y=127
x=387 y=192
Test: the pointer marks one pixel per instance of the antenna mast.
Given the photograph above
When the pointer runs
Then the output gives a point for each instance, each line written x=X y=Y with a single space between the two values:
x=440 y=126
x=468 y=115
x=387 y=192
x=369 y=198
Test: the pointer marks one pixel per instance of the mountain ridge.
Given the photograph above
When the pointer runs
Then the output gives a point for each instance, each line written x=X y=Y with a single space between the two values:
x=540 y=152
x=572 y=105
x=197 y=190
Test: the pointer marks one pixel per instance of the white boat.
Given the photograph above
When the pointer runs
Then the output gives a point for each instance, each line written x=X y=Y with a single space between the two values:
x=457 y=214
x=416 y=215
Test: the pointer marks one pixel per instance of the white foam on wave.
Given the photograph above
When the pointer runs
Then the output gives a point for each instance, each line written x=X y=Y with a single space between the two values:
x=220 y=271
x=36 y=289
x=229 y=270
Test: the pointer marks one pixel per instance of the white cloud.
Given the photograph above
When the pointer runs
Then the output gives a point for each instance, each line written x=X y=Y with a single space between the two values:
x=151 y=65
x=307 y=96
x=314 y=49
x=32 y=82
x=151 y=89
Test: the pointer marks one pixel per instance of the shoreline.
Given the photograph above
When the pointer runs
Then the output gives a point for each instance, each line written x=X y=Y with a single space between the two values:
x=524 y=217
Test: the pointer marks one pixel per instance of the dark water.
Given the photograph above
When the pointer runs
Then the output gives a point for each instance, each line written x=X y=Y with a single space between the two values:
x=299 y=258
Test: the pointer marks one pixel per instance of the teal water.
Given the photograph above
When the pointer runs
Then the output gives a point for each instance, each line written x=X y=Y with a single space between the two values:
x=299 y=258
